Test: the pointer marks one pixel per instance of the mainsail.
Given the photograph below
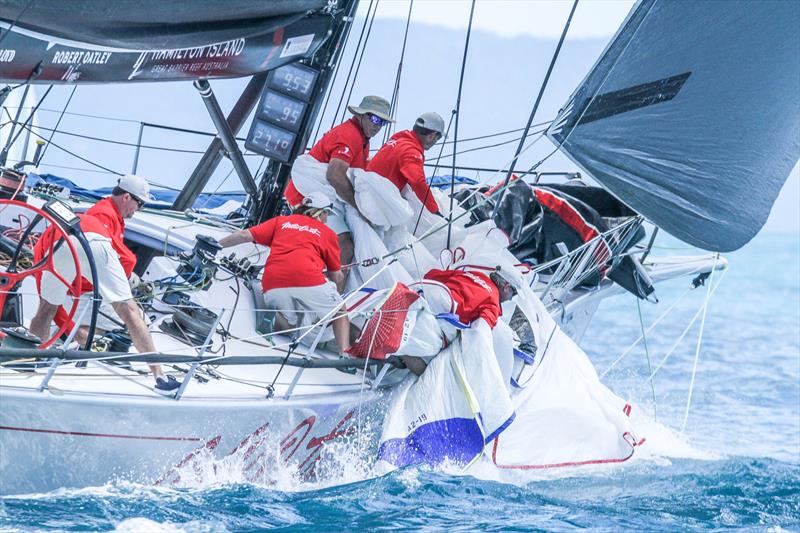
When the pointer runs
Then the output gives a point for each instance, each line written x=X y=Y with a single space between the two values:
x=149 y=40
x=692 y=116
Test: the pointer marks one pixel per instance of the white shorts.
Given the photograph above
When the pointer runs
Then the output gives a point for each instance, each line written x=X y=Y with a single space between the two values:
x=302 y=306
x=112 y=284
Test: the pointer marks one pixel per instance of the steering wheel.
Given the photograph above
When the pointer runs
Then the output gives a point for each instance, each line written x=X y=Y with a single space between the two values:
x=11 y=278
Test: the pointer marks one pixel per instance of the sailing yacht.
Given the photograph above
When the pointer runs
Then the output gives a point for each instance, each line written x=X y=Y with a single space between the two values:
x=257 y=403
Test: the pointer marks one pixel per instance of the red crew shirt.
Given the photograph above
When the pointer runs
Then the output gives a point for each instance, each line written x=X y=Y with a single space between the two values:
x=346 y=142
x=476 y=295
x=300 y=248
x=102 y=218
x=400 y=161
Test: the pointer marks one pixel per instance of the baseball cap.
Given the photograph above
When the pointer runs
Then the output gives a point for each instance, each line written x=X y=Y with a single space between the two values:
x=432 y=121
x=135 y=185
x=318 y=200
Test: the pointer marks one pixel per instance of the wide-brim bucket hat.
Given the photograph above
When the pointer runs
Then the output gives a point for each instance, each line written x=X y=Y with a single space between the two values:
x=372 y=104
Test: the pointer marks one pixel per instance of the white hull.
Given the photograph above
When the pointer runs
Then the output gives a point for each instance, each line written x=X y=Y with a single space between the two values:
x=87 y=427
x=77 y=440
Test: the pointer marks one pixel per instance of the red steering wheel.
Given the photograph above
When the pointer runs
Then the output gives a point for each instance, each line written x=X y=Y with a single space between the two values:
x=10 y=280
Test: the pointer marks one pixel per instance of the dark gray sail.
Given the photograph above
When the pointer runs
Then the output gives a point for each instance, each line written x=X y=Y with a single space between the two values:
x=692 y=115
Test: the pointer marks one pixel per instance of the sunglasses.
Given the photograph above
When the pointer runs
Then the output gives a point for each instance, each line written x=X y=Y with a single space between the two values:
x=139 y=203
x=378 y=121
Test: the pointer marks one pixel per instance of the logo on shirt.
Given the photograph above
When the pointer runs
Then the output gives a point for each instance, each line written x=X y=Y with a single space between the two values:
x=298 y=227
x=478 y=281
x=345 y=150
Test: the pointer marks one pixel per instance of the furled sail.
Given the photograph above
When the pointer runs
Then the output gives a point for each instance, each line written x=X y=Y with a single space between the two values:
x=153 y=40
x=692 y=115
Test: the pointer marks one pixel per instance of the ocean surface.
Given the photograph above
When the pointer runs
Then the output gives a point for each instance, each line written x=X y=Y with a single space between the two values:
x=736 y=465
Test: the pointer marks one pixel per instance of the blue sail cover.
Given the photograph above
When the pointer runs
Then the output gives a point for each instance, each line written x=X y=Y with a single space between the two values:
x=692 y=116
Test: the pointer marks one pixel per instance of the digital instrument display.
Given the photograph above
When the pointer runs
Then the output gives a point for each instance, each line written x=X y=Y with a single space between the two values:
x=294 y=80
x=270 y=141
x=61 y=213
x=281 y=110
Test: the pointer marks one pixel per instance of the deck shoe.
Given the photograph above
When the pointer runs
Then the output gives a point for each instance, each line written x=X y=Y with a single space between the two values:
x=167 y=387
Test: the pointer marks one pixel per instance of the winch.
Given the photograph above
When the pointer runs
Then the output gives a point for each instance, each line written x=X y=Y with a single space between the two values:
x=190 y=323
x=12 y=184
x=116 y=340
x=198 y=267
x=19 y=337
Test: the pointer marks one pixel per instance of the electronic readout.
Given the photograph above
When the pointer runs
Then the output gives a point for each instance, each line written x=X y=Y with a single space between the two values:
x=294 y=80
x=271 y=141
x=62 y=213
x=281 y=110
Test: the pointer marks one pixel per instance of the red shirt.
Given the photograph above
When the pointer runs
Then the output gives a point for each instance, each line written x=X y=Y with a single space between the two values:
x=300 y=248
x=346 y=142
x=476 y=294
x=102 y=218
x=400 y=161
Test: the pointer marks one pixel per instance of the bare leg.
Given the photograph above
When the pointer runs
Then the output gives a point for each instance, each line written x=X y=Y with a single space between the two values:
x=346 y=253
x=281 y=324
x=40 y=323
x=414 y=364
x=341 y=331
x=130 y=314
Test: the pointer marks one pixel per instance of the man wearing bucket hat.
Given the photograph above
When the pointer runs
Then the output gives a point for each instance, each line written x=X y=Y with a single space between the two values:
x=301 y=247
x=346 y=146
x=103 y=225
x=401 y=159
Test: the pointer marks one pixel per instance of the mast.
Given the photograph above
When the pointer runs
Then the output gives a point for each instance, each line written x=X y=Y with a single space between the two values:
x=268 y=201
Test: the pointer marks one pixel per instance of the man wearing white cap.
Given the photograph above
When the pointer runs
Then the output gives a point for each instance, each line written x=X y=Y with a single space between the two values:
x=401 y=159
x=302 y=246
x=103 y=226
x=345 y=146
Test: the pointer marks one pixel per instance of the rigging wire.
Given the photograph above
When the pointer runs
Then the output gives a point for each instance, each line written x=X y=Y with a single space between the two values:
x=487 y=146
x=435 y=168
x=457 y=112
x=489 y=135
x=14 y=22
x=336 y=75
x=699 y=343
x=605 y=78
x=647 y=354
x=73 y=154
x=58 y=122
x=396 y=91
x=339 y=106
x=536 y=104
x=209 y=134
x=23 y=126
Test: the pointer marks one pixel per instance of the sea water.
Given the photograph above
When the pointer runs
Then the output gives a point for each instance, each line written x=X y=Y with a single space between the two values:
x=735 y=464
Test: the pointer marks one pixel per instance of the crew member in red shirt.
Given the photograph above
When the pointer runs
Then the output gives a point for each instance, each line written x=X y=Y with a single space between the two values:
x=475 y=295
x=301 y=247
x=472 y=296
x=345 y=146
x=103 y=226
x=401 y=159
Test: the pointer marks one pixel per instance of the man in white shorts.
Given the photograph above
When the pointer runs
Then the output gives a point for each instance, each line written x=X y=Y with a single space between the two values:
x=103 y=227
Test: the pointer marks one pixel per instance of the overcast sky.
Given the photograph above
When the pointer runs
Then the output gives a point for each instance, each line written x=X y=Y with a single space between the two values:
x=513 y=18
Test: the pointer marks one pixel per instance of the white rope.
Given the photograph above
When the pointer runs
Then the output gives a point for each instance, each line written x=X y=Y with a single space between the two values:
x=685 y=331
x=699 y=343
x=648 y=330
